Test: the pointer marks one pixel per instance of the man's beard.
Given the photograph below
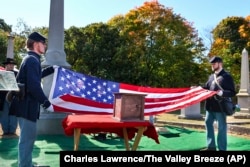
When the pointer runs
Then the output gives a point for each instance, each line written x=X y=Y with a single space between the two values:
x=215 y=69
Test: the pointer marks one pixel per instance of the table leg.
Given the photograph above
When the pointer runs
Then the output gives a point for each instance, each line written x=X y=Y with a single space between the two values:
x=77 y=133
x=125 y=136
x=138 y=137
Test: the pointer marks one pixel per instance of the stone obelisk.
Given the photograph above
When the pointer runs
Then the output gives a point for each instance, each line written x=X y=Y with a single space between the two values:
x=55 y=54
x=244 y=92
x=51 y=123
x=10 y=47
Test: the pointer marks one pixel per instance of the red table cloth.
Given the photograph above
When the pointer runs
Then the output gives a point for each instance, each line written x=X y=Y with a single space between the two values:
x=106 y=123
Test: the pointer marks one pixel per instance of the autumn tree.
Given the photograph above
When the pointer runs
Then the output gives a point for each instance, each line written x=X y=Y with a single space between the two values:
x=162 y=46
x=244 y=31
x=230 y=38
x=150 y=46
x=227 y=33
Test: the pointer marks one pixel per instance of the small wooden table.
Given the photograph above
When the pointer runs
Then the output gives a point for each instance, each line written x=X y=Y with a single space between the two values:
x=75 y=125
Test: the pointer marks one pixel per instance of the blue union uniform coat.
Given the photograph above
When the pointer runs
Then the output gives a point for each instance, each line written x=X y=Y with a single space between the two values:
x=30 y=74
x=226 y=82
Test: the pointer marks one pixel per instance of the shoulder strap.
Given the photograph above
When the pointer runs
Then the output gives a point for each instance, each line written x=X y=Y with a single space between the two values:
x=217 y=83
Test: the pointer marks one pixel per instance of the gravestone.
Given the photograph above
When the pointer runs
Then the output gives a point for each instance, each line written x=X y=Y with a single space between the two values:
x=191 y=112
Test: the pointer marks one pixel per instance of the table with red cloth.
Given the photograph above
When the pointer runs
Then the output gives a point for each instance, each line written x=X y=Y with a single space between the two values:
x=88 y=124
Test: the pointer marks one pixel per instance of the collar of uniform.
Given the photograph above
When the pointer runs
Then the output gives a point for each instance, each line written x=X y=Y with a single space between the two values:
x=217 y=72
x=34 y=54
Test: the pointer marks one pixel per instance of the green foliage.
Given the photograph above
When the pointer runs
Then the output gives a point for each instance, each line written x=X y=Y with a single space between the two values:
x=149 y=46
x=22 y=30
x=74 y=44
x=5 y=27
x=93 y=49
x=228 y=30
x=3 y=46
x=229 y=42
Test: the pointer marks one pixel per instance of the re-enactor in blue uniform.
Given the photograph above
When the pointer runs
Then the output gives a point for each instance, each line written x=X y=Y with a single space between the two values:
x=27 y=107
x=8 y=122
x=213 y=110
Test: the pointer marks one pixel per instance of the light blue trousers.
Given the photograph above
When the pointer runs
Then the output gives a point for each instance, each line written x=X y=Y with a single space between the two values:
x=221 y=119
x=26 y=142
x=8 y=122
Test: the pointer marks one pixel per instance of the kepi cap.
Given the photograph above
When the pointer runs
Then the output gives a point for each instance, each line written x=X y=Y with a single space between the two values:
x=9 y=61
x=35 y=36
x=215 y=59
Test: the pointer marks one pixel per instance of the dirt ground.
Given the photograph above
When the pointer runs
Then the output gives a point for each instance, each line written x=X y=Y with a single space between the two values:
x=236 y=126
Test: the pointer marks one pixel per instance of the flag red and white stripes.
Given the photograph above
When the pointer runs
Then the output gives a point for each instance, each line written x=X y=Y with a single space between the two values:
x=79 y=93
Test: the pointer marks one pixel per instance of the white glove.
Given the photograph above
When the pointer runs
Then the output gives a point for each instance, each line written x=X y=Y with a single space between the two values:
x=50 y=109
x=220 y=93
x=55 y=66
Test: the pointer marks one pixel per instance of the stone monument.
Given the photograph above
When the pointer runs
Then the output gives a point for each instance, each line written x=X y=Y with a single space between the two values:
x=191 y=112
x=243 y=97
x=51 y=123
x=10 y=47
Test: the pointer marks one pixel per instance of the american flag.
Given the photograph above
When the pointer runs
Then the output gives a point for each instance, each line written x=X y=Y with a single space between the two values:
x=80 y=93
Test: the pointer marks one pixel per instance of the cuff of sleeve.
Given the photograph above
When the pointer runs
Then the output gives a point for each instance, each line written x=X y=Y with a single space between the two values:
x=46 y=104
